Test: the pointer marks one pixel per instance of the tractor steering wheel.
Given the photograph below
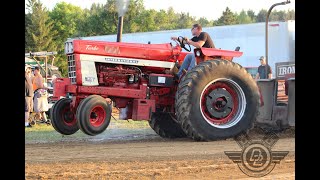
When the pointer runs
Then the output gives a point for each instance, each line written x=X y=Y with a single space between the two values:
x=182 y=42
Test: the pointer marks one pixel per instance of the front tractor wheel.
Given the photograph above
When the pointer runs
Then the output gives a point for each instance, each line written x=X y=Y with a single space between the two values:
x=93 y=115
x=217 y=99
x=62 y=119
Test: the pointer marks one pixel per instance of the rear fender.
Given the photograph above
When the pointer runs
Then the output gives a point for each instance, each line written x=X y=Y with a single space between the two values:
x=204 y=54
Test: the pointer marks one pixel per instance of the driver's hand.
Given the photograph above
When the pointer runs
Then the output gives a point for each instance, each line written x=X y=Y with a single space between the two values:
x=187 y=40
x=174 y=38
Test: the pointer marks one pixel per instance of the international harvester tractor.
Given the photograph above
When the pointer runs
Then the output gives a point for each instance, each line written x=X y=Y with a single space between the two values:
x=217 y=99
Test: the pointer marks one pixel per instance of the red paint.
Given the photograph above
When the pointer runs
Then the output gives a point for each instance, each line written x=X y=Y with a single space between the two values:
x=60 y=87
x=71 y=88
x=215 y=120
x=97 y=116
x=220 y=52
x=142 y=109
x=121 y=102
x=182 y=56
x=113 y=91
x=159 y=52
x=116 y=76
x=164 y=97
x=78 y=69
x=138 y=96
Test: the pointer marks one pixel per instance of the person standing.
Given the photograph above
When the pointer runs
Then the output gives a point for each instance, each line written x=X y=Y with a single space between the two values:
x=264 y=70
x=40 y=100
x=37 y=79
x=28 y=95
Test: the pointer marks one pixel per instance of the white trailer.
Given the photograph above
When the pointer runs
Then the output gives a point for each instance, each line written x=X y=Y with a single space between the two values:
x=250 y=38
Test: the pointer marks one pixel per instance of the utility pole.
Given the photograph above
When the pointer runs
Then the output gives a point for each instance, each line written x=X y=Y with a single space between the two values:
x=267 y=21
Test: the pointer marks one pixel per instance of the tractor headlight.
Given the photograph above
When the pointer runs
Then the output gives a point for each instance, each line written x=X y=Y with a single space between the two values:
x=198 y=53
x=68 y=47
x=71 y=48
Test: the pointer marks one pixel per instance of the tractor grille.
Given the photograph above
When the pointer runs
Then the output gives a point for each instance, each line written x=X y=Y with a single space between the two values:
x=72 y=69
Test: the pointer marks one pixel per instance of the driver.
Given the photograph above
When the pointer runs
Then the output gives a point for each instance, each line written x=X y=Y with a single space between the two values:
x=200 y=39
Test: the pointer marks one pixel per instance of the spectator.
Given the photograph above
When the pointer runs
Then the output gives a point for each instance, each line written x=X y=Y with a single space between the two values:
x=28 y=95
x=37 y=79
x=264 y=70
x=40 y=100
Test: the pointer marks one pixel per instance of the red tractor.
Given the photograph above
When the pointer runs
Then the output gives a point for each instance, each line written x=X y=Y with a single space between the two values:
x=217 y=99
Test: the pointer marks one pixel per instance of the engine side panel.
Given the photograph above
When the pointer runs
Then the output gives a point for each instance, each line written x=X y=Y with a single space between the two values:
x=89 y=73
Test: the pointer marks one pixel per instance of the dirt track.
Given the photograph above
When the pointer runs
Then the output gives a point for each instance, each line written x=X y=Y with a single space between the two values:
x=146 y=158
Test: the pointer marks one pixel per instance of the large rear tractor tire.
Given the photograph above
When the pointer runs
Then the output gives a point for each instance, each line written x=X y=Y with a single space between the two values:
x=217 y=99
x=93 y=115
x=163 y=124
x=62 y=119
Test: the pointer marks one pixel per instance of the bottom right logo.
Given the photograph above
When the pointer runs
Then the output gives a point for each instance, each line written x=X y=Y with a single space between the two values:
x=256 y=158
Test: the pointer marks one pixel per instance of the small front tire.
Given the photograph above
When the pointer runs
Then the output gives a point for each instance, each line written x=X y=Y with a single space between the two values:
x=62 y=119
x=93 y=115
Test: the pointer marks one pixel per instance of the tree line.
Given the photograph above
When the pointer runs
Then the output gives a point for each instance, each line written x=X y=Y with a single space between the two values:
x=48 y=30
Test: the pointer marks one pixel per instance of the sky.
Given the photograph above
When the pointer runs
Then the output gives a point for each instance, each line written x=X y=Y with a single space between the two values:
x=211 y=9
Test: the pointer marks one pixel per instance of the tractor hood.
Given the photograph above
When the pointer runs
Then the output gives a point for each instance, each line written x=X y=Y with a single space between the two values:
x=159 y=52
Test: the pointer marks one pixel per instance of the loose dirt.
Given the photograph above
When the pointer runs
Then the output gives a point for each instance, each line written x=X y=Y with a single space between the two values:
x=146 y=157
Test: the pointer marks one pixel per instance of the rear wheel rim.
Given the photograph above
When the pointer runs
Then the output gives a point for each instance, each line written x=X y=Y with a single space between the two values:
x=222 y=103
x=97 y=116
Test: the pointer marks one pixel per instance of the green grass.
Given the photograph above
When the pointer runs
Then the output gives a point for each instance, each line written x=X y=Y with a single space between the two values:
x=128 y=124
x=46 y=133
